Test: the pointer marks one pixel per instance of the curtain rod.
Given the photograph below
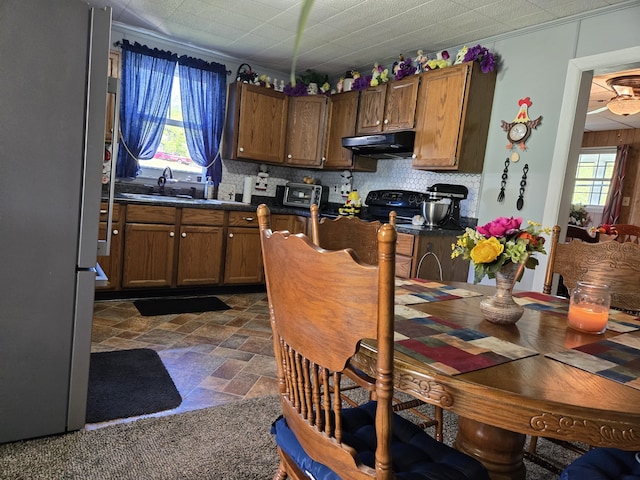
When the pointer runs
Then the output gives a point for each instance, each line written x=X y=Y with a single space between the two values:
x=119 y=44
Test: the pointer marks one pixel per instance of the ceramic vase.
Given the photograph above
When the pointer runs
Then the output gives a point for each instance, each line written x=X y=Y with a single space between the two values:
x=501 y=308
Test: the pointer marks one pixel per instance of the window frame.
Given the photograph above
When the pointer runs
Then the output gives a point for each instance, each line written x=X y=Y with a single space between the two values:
x=603 y=182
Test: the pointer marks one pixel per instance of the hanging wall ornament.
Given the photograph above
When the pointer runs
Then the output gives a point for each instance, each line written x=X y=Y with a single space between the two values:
x=519 y=130
x=523 y=184
x=503 y=183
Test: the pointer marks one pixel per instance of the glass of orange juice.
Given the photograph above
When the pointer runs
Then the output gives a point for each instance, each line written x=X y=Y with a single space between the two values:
x=589 y=307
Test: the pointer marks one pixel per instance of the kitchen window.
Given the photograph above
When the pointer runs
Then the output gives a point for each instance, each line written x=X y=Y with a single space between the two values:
x=173 y=151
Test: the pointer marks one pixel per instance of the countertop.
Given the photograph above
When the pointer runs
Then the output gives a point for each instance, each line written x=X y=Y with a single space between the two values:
x=330 y=211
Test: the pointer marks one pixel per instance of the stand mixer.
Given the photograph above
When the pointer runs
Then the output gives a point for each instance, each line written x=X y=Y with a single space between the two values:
x=437 y=211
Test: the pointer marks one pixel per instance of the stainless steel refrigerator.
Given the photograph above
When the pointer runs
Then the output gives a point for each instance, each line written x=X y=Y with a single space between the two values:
x=53 y=90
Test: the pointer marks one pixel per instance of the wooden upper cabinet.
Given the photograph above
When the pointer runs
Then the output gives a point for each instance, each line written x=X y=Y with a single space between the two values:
x=341 y=122
x=256 y=124
x=305 y=130
x=388 y=107
x=453 y=113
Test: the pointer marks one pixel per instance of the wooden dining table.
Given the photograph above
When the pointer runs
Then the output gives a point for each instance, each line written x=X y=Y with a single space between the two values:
x=498 y=406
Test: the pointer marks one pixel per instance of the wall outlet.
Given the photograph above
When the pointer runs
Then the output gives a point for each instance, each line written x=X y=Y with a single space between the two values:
x=626 y=201
x=226 y=191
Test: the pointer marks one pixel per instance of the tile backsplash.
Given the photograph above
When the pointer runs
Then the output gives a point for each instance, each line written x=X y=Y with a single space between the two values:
x=391 y=174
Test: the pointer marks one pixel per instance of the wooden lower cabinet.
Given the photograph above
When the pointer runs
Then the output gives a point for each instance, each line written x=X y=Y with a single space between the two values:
x=200 y=247
x=433 y=252
x=404 y=255
x=243 y=255
x=112 y=264
x=148 y=255
x=149 y=246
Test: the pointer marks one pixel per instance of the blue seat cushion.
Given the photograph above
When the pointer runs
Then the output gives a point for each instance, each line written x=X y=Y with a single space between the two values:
x=415 y=454
x=604 y=464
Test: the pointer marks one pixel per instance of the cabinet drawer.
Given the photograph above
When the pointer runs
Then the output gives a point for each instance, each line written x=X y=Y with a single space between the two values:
x=198 y=216
x=150 y=214
x=116 y=212
x=404 y=246
x=403 y=266
x=243 y=219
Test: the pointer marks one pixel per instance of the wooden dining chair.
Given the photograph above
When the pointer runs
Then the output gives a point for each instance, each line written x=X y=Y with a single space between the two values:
x=627 y=232
x=615 y=264
x=612 y=263
x=346 y=232
x=322 y=304
x=361 y=237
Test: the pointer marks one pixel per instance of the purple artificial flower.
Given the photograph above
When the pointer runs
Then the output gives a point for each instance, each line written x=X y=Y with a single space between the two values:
x=361 y=82
x=299 y=90
x=404 y=69
x=482 y=55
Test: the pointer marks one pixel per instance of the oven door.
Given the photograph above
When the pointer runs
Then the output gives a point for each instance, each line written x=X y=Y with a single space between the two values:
x=299 y=195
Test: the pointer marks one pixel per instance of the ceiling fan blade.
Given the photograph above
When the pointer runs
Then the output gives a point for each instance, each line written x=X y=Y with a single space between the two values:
x=597 y=110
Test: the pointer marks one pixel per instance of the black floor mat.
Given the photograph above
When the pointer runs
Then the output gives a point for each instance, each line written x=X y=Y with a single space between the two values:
x=128 y=383
x=166 y=306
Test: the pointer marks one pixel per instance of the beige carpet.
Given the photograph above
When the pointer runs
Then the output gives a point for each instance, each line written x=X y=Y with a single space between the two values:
x=229 y=442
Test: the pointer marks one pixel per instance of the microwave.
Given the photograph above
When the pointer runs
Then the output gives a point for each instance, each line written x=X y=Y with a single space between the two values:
x=304 y=195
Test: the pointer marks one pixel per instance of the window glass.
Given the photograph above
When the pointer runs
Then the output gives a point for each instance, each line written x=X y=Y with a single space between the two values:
x=593 y=176
x=173 y=151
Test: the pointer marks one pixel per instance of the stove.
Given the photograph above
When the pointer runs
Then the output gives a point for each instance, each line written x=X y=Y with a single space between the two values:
x=406 y=204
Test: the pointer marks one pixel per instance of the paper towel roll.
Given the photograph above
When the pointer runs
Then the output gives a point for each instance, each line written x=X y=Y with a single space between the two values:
x=246 y=191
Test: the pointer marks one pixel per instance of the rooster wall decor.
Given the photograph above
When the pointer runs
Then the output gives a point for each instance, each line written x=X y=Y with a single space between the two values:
x=519 y=130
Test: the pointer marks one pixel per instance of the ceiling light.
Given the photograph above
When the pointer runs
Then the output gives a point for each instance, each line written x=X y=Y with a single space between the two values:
x=624 y=105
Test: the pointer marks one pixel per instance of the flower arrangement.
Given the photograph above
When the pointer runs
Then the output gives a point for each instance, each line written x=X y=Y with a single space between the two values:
x=578 y=215
x=499 y=242
x=403 y=68
x=379 y=75
x=480 y=54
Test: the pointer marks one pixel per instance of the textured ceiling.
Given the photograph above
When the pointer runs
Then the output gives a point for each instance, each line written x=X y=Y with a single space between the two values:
x=344 y=34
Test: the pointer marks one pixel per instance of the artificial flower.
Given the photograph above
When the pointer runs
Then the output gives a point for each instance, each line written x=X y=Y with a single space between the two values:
x=498 y=242
x=482 y=55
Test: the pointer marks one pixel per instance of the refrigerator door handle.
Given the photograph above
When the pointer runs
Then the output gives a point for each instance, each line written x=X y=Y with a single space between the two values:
x=113 y=95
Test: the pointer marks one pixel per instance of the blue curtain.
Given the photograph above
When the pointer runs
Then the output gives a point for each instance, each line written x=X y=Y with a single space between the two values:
x=147 y=77
x=203 y=94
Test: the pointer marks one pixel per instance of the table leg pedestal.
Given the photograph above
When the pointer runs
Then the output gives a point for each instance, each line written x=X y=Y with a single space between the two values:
x=499 y=450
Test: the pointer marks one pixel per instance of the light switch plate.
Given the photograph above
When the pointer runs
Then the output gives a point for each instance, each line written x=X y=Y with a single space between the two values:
x=226 y=191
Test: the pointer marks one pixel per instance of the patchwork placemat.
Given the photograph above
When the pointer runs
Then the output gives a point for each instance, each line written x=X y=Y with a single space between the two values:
x=620 y=322
x=448 y=347
x=616 y=358
x=412 y=291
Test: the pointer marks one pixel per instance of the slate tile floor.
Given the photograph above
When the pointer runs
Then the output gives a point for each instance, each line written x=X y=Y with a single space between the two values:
x=212 y=357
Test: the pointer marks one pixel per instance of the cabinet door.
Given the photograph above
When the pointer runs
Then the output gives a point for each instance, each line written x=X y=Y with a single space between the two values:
x=453 y=113
x=400 y=104
x=305 y=131
x=262 y=124
x=292 y=223
x=148 y=255
x=371 y=110
x=112 y=265
x=341 y=122
x=243 y=262
x=442 y=101
x=200 y=255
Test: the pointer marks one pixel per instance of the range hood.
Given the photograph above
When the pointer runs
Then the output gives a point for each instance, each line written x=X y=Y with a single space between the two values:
x=383 y=145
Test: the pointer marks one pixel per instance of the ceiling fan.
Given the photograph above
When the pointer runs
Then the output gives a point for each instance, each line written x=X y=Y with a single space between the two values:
x=627 y=98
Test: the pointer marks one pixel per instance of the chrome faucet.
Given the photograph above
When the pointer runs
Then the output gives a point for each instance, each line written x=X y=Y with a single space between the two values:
x=167 y=170
x=162 y=179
